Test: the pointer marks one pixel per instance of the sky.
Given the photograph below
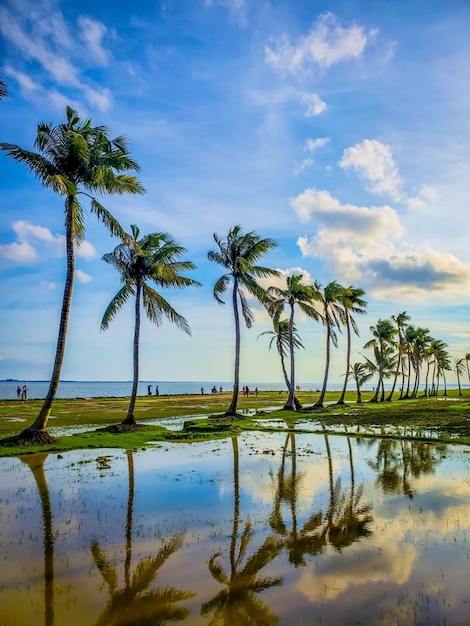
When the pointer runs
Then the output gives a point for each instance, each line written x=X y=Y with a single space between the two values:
x=339 y=129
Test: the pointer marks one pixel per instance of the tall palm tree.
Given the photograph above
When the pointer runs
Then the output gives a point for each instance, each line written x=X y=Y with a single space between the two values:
x=280 y=336
x=238 y=254
x=381 y=344
x=332 y=315
x=418 y=354
x=352 y=302
x=401 y=321
x=295 y=293
x=459 y=369
x=75 y=159
x=154 y=258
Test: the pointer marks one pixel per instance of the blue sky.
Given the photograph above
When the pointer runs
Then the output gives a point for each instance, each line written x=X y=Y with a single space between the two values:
x=340 y=129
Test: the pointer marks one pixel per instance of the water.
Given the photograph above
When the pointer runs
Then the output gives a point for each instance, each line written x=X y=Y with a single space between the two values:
x=121 y=389
x=270 y=528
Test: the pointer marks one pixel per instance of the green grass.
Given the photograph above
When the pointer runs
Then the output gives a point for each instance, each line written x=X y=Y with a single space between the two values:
x=447 y=419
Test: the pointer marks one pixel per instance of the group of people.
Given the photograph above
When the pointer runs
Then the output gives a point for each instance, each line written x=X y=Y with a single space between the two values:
x=246 y=390
x=149 y=390
x=22 y=392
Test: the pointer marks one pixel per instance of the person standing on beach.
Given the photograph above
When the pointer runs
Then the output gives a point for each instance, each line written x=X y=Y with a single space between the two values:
x=157 y=393
x=24 y=393
x=18 y=392
x=149 y=390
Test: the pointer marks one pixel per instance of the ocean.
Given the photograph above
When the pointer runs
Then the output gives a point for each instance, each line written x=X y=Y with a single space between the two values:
x=37 y=389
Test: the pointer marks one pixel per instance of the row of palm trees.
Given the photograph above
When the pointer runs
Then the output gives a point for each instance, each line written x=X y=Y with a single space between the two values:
x=77 y=160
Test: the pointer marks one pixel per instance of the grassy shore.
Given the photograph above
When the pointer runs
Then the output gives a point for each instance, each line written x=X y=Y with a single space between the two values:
x=446 y=419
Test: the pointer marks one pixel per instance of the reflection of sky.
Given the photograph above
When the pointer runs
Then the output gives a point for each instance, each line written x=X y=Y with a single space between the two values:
x=417 y=545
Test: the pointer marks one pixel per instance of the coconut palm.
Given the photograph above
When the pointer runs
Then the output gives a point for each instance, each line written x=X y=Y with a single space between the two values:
x=361 y=373
x=401 y=321
x=331 y=317
x=439 y=356
x=296 y=293
x=280 y=336
x=382 y=339
x=352 y=302
x=238 y=254
x=153 y=258
x=75 y=159
x=459 y=369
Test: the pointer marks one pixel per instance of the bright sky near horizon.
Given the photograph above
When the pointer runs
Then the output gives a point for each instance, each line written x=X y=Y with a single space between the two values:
x=339 y=128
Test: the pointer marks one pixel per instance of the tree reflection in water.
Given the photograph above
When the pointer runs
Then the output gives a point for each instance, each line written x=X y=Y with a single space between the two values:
x=345 y=520
x=237 y=604
x=35 y=462
x=398 y=461
x=135 y=604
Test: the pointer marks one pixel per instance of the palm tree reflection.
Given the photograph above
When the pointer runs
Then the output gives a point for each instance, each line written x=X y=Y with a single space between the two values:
x=35 y=462
x=135 y=604
x=344 y=521
x=399 y=461
x=236 y=604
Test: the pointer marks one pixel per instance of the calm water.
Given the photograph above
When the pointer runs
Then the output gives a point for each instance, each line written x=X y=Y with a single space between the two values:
x=120 y=389
x=288 y=529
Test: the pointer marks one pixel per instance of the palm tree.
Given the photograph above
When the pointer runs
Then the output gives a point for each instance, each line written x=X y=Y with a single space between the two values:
x=73 y=159
x=459 y=369
x=361 y=374
x=401 y=320
x=331 y=300
x=280 y=335
x=154 y=258
x=351 y=302
x=382 y=338
x=467 y=358
x=296 y=293
x=238 y=254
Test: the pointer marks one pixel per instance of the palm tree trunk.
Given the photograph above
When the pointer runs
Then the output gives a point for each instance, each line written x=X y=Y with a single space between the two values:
x=458 y=382
x=232 y=410
x=130 y=419
x=319 y=403
x=290 y=404
x=40 y=423
x=348 y=359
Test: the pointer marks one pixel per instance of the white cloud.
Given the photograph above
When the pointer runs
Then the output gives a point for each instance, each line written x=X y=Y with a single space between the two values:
x=92 y=33
x=314 y=105
x=236 y=7
x=327 y=43
x=310 y=146
x=29 y=236
x=86 y=250
x=39 y=33
x=82 y=277
x=374 y=162
x=365 y=246
x=20 y=252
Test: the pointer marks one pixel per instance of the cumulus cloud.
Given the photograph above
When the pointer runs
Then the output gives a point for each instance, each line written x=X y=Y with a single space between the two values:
x=374 y=162
x=327 y=43
x=364 y=245
x=39 y=34
x=30 y=236
x=314 y=105
x=82 y=277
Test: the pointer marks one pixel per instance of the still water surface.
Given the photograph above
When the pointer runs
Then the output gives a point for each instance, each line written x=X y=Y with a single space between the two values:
x=289 y=529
